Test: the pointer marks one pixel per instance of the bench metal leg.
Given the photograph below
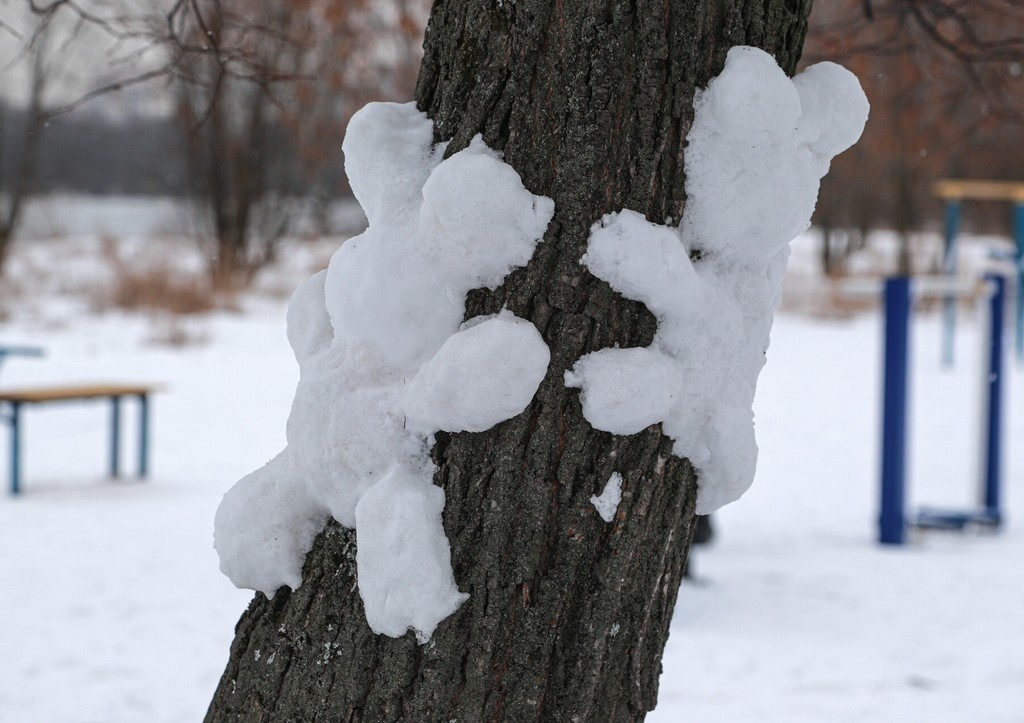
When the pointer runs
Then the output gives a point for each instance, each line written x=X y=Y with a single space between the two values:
x=15 y=422
x=115 y=436
x=143 y=435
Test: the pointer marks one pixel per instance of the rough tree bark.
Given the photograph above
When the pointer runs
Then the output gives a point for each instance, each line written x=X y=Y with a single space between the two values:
x=590 y=102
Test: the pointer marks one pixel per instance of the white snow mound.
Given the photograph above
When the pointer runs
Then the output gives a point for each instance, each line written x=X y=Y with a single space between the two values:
x=402 y=555
x=758 y=148
x=607 y=503
x=484 y=374
x=383 y=365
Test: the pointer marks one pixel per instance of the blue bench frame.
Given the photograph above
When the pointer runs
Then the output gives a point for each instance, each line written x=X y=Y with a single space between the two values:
x=11 y=411
x=11 y=408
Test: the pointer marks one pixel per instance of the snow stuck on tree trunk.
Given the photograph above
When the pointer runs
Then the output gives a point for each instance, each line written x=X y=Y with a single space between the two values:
x=385 y=362
x=385 y=359
x=758 y=147
x=607 y=504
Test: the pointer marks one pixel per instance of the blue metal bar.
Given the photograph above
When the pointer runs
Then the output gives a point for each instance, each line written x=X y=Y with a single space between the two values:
x=993 y=423
x=115 y=436
x=21 y=351
x=929 y=517
x=952 y=227
x=143 y=435
x=1018 y=233
x=15 y=421
x=892 y=519
x=6 y=351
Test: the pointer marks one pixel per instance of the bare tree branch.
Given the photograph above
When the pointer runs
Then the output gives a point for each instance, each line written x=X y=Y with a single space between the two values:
x=11 y=30
x=102 y=90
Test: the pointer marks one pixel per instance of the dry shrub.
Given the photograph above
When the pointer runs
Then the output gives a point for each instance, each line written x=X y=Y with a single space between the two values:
x=157 y=287
x=151 y=290
x=169 y=330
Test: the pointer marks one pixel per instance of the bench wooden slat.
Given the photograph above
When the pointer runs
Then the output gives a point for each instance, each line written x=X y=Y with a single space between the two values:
x=955 y=189
x=68 y=393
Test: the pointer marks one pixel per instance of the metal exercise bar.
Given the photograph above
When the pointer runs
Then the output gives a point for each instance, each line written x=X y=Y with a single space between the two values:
x=994 y=401
x=1018 y=233
x=143 y=434
x=6 y=351
x=951 y=229
x=891 y=519
x=115 y=436
x=13 y=419
x=924 y=287
x=953 y=192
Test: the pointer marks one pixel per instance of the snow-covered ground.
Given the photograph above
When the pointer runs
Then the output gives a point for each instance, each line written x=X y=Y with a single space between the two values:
x=112 y=607
x=797 y=615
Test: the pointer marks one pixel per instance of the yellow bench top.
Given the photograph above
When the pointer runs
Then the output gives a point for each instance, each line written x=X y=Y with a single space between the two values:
x=955 y=189
x=84 y=391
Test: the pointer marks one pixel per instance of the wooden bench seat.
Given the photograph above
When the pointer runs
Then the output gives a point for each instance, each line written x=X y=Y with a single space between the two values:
x=13 y=400
x=70 y=393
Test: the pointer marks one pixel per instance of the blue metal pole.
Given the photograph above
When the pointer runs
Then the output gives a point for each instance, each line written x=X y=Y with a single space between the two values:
x=993 y=436
x=952 y=227
x=891 y=519
x=15 y=422
x=115 y=436
x=143 y=435
x=1018 y=232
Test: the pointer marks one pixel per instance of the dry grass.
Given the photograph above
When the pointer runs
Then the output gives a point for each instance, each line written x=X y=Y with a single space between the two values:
x=157 y=287
x=151 y=290
x=172 y=330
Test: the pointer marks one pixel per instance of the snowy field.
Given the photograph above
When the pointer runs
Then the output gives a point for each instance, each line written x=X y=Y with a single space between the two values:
x=113 y=609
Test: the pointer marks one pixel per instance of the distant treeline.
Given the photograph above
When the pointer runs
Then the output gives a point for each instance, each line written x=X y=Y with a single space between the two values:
x=876 y=183
x=146 y=155
x=947 y=101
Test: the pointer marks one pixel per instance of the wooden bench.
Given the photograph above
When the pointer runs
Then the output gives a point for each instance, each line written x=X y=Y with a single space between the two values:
x=12 y=403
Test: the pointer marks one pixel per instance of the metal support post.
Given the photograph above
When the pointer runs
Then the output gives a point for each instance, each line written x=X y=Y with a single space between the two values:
x=1018 y=233
x=994 y=400
x=891 y=519
x=952 y=227
x=115 y=436
x=143 y=435
x=15 y=422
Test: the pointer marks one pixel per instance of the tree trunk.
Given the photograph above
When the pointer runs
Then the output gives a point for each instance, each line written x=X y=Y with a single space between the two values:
x=17 y=189
x=568 y=615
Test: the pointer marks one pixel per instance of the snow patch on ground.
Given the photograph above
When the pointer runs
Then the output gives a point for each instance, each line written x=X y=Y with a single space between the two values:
x=113 y=599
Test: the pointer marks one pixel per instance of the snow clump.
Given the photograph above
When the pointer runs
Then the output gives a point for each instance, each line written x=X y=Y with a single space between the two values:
x=758 y=147
x=385 y=362
x=607 y=504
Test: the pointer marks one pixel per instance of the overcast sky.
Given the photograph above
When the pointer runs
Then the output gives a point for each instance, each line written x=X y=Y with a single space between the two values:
x=78 y=58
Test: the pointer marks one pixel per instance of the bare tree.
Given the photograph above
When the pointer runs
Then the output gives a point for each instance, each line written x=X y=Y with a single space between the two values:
x=263 y=92
x=15 y=185
x=947 y=87
x=47 y=43
x=363 y=52
x=264 y=88
x=227 y=115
